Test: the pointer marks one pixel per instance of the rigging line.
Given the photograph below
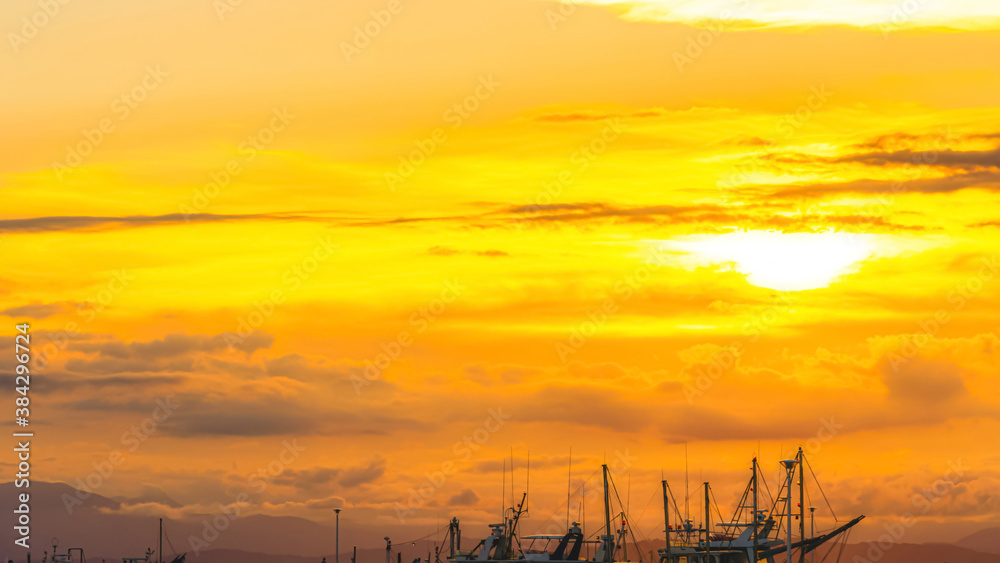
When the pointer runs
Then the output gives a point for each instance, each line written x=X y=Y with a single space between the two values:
x=165 y=535
x=424 y=537
x=625 y=516
x=761 y=478
x=628 y=497
x=829 y=551
x=655 y=492
x=843 y=545
x=813 y=473
x=674 y=501
x=711 y=491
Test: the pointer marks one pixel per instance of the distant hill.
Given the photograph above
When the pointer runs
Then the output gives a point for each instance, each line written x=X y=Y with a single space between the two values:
x=917 y=553
x=108 y=535
x=116 y=535
x=986 y=541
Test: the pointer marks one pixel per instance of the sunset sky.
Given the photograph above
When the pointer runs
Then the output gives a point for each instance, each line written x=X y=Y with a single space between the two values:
x=632 y=229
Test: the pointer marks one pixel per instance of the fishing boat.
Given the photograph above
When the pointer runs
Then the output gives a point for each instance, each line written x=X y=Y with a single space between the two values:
x=752 y=534
x=504 y=545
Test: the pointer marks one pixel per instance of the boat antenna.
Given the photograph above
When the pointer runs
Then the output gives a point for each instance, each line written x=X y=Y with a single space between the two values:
x=503 y=493
x=569 y=484
x=512 y=477
x=687 y=494
x=527 y=482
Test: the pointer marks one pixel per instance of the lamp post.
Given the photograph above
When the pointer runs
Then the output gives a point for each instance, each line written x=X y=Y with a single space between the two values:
x=336 y=555
x=388 y=549
x=812 y=530
x=790 y=467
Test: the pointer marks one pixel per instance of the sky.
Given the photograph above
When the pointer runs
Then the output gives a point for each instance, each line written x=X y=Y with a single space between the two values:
x=417 y=238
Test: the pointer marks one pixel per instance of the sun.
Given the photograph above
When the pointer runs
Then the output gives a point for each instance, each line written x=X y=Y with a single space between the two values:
x=777 y=260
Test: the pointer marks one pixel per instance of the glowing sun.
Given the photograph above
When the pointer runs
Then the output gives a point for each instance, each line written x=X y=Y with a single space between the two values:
x=776 y=260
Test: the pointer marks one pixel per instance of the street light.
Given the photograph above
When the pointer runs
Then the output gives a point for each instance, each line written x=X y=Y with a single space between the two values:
x=388 y=549
x=812 y=530
x=336 y=555
x=790 y=467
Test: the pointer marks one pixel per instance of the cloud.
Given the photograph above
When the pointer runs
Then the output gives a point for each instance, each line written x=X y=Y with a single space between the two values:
x=445 y=251
x=945 y=184
x=34 y=310
x=497 y=465
x=360 y=475
x=585 y=116
x=903 y=140
x=442 y=251
x=63 y=382
x=180 y=344
x=962 y=160
x=150 y=495
x=308 y=480
x=467 y=497
x=100 y=223
x=923 y=381
x=542 y=207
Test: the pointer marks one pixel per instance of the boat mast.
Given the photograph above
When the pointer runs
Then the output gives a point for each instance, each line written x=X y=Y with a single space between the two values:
x=609 y=542
x=708 y=534
x=802 y=506
x=666 y=518
x=754 y=516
